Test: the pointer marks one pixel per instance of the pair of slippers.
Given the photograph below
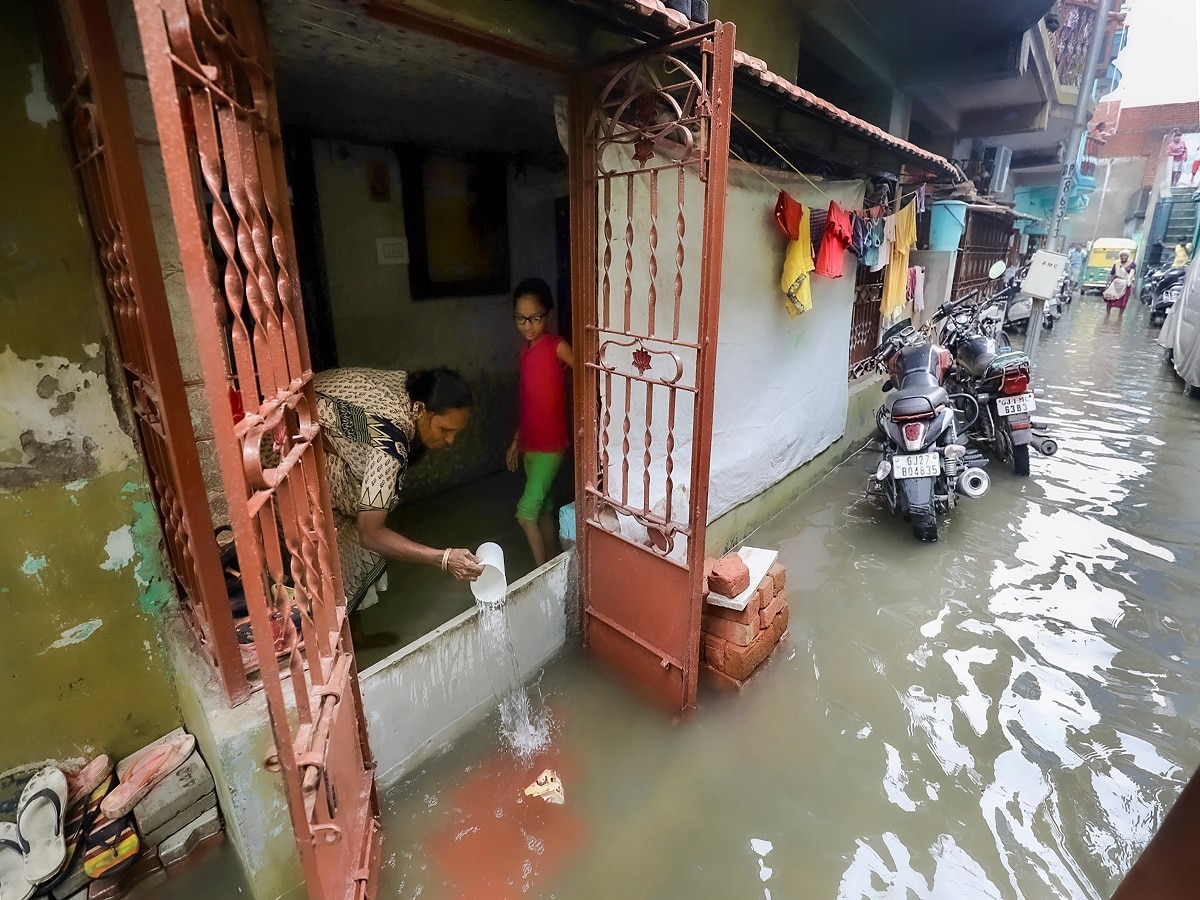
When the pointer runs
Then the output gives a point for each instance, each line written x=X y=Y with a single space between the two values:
x=37 y=848
x=92 y=810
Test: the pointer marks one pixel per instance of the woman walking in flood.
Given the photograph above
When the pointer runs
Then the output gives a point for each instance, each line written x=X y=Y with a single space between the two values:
x=1120 y=285
x=542 y=437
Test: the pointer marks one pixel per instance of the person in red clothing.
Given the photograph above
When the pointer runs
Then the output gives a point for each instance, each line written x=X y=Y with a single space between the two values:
x=542 y=436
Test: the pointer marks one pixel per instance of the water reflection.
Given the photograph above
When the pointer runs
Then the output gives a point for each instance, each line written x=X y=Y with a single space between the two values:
x=1006 y=713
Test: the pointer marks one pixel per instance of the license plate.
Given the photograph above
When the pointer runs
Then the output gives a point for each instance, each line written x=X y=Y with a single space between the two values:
x=920 y=465
x=1010 y=406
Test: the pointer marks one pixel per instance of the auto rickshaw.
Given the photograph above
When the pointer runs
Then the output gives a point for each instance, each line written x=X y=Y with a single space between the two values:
x=1103 y=255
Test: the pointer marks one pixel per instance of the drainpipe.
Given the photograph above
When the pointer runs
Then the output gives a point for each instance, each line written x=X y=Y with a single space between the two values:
x=1100 y=208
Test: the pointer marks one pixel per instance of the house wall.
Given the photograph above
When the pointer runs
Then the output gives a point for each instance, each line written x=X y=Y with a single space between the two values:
x=82 y=574
x=781 y=393
x=378 y=323
x=1143 y=131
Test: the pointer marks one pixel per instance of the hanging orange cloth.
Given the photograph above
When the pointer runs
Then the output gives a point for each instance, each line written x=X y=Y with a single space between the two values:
x=895 y=280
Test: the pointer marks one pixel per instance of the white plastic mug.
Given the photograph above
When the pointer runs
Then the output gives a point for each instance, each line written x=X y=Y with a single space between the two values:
x=491 y=586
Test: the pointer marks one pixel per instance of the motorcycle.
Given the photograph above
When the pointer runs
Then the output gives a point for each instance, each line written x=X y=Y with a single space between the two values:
x=1168 y=289
x=1018 y=306
x=1152 y=282
x=990 y=380
x=925 y=463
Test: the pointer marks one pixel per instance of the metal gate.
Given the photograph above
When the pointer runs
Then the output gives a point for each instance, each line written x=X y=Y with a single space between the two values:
x=211 y=84
x=649 y=159
x=90 y=90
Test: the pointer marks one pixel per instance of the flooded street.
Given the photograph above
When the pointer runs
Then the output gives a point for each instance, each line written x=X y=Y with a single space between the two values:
x=1006 y=713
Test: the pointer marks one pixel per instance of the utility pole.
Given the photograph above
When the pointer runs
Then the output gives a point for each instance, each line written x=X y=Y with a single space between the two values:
x=1066 y=182
x=1070 y=161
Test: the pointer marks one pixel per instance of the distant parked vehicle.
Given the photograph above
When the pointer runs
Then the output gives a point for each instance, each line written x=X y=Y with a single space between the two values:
x=1180 y=335
x=1104 y=254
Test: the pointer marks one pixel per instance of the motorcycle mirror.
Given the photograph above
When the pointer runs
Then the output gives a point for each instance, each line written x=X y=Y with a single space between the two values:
x=997 y=269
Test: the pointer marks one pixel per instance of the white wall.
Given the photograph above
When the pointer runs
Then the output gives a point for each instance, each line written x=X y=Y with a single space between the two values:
x=782 y=393
x=377 y=322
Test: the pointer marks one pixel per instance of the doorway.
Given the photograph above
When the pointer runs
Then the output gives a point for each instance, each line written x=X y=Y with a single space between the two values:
x=438 y=180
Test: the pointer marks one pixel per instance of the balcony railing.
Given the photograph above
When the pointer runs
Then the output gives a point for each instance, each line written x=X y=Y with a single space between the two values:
x=1076 y=18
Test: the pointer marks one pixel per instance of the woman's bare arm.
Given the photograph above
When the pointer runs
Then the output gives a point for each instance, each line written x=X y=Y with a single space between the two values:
x=376 y=536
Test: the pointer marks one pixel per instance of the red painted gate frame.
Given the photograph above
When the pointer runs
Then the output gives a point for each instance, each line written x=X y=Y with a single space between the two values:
x=641 y=611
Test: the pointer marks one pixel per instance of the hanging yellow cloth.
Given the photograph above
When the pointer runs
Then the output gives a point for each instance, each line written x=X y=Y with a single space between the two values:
x=797 y=270
x=895 y=280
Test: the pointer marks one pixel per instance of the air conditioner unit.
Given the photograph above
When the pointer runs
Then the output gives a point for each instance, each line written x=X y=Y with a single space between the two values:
x=998 y=159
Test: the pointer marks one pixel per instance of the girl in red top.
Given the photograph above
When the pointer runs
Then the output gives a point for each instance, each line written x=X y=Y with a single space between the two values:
x=541 y=436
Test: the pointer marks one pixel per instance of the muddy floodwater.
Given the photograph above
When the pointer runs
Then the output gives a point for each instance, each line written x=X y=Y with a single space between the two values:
x=1006 y=713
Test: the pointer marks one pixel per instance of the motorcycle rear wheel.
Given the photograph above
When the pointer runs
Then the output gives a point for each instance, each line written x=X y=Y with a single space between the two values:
x=1021 y=459
x=925 y=528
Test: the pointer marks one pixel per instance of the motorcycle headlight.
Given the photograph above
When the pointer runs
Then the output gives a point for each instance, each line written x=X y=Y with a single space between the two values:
x=883 y=470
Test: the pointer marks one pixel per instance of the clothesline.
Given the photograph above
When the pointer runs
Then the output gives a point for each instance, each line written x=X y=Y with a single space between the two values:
x=792 y=166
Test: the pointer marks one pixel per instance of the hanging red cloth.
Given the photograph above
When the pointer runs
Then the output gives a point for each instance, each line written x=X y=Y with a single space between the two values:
x=838 y=233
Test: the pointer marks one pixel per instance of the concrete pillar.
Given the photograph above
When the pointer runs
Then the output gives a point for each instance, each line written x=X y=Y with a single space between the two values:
x=901 y=115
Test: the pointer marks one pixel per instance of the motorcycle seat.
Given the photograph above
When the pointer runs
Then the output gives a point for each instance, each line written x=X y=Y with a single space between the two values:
x=920 y=400
x=975 y=363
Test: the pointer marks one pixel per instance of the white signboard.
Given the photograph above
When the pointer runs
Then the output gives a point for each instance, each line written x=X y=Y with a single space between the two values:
x=1045 y=269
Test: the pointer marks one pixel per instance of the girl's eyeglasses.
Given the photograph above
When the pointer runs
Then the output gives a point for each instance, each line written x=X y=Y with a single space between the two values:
x=530 y=320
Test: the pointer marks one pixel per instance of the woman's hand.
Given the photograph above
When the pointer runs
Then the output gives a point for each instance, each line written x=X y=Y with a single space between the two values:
x=464 y=565
x=513 y=457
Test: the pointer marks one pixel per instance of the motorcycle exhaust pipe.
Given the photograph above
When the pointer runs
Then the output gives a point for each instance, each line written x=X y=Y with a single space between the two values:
x=974 y=483
x=1047 y=446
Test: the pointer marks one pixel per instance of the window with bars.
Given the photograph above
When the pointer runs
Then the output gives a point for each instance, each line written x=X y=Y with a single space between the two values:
x=864 y=324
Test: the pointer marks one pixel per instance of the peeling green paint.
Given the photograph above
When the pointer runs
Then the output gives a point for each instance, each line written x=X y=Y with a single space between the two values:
x=158 y=590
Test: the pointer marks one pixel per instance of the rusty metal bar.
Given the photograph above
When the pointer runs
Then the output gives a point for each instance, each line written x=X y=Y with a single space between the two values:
x=721 y=100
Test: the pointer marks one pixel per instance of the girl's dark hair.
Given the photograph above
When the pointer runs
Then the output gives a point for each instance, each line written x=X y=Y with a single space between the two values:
x=441 y=390
x=537 y=288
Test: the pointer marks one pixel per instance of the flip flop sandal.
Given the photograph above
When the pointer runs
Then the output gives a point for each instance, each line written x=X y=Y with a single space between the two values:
x=141 y=772
x=80 y=814
x=40 y=813
x=13 y=883
x=87 y=779
x=110 y=847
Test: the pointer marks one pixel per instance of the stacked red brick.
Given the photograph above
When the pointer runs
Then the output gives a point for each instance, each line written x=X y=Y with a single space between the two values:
x=736 y=642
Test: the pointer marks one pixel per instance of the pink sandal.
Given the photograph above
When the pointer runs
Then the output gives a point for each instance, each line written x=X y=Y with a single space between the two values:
x=143 y=771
